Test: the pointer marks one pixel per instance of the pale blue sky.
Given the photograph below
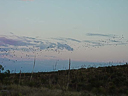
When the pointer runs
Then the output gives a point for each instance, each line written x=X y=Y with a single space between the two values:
x=84 y=30
x=62 y=18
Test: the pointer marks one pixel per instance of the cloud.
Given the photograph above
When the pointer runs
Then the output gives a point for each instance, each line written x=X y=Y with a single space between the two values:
x=46 y=45
x=67 y=39
x=4 y=41
x=29 y=44
x=52 y=45
x=105 y=42
x=26 y=43
x=94 y=43
x=114 y=41
x=103 y=35
x=73 y=40
x=55 y=46
x=60 y=39
x=64 y=46
x=2 y=44
x=4 y=49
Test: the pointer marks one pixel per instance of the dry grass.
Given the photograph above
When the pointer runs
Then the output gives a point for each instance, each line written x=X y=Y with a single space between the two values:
x=14 y=90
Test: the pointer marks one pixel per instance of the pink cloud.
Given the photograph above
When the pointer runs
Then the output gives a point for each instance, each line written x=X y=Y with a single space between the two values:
x=6 y=41
x=2 y=44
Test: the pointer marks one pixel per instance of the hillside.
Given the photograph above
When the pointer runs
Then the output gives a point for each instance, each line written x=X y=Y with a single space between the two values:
x=103 y=80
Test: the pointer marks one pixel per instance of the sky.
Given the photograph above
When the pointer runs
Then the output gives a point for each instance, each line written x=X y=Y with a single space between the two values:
x=82 y=30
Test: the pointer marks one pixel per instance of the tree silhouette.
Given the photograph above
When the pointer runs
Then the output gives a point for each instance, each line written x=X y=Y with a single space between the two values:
x=1 y=68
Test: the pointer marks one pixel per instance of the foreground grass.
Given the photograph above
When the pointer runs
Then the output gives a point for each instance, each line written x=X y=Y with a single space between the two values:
x=17 y=90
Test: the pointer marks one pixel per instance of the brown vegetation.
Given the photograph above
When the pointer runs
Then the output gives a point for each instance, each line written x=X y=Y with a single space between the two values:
x=82 y=82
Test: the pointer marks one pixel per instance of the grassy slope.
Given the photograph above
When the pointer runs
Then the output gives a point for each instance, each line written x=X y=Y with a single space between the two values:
x=103 y=80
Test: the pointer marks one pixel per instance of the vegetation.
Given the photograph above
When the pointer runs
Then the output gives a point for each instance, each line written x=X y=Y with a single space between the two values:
x=102 y=81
